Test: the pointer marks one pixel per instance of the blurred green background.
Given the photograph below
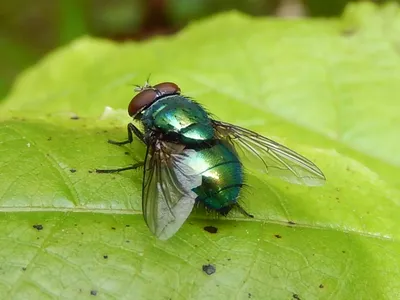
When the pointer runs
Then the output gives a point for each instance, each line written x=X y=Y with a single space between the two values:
x=30 y=29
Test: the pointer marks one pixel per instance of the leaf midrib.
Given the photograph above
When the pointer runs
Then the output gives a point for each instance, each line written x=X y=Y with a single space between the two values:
x=139 y=213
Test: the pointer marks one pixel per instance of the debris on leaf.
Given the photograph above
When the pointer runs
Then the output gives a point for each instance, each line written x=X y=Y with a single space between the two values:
x=38 y=226
x=209 y=269
x=211 y=229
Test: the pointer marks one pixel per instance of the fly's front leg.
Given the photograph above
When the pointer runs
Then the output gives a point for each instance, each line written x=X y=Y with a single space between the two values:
x=132 y=129
x=133 y=167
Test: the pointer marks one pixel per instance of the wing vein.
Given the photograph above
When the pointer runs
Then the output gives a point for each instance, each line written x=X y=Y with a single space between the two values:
x=277 y=160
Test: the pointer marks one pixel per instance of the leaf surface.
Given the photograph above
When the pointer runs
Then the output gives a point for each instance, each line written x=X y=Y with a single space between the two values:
x=325 y=88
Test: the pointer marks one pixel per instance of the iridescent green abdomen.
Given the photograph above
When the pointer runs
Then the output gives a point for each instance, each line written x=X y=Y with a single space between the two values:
x=179 y=118
x=222 y=176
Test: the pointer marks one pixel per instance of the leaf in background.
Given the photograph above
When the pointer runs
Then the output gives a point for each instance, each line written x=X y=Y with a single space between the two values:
x=326 y=88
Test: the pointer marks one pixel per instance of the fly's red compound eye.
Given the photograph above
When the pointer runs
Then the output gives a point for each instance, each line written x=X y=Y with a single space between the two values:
x=141 y=100
x=167 y=88
x=148 y=94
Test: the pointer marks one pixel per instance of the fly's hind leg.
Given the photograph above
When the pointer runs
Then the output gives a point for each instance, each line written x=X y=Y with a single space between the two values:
x=132 y=129
x=241 y=209
x=133 y=167
x=225 y=210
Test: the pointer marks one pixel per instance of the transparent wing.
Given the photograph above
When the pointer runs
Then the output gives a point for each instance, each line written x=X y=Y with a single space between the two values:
x=268 y=156
x=167 y=196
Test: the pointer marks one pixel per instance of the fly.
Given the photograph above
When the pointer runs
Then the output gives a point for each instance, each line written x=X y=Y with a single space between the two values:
x=192 y=158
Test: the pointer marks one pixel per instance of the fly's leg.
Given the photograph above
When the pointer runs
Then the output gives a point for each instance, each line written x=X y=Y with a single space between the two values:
x=225 y=210
x=132 y=129
x=241 y=209
x=133 y=167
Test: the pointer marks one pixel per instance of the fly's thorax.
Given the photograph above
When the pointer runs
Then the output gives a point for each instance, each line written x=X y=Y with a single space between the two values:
x=180 y=118
x=222 y=174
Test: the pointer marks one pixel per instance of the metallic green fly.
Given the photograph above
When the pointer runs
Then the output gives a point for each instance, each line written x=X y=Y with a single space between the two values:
x=192 y=158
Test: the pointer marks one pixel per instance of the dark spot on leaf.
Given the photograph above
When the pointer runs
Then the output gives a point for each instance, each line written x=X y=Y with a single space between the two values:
x=127 y=241
x=72 y=170
x=211 y=229
x=291 y=223
x=343 y=251
x=295 y=296
x=93 y=292
x=278 y=236
x=126 y=153
x=23 y=269
x=90 y=171
x=105 y=131
x=209 y=269
x=49 y=138
x=74 y=117
x=127 y=225
x=348 y=32
x=249 y=295
x=38 y=226
x=105 y=256
x=113 y=228
x=38 y=238
x=321 y=286
x=229 y=259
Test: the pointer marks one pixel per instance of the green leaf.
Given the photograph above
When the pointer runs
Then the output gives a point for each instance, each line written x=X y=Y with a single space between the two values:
x=326 y=88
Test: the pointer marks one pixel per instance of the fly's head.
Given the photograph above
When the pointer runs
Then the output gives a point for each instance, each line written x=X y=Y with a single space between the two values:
x=148 y=94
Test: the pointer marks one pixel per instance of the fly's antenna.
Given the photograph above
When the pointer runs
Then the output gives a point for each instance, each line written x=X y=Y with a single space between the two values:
x=147 y=83
x=139 y=88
